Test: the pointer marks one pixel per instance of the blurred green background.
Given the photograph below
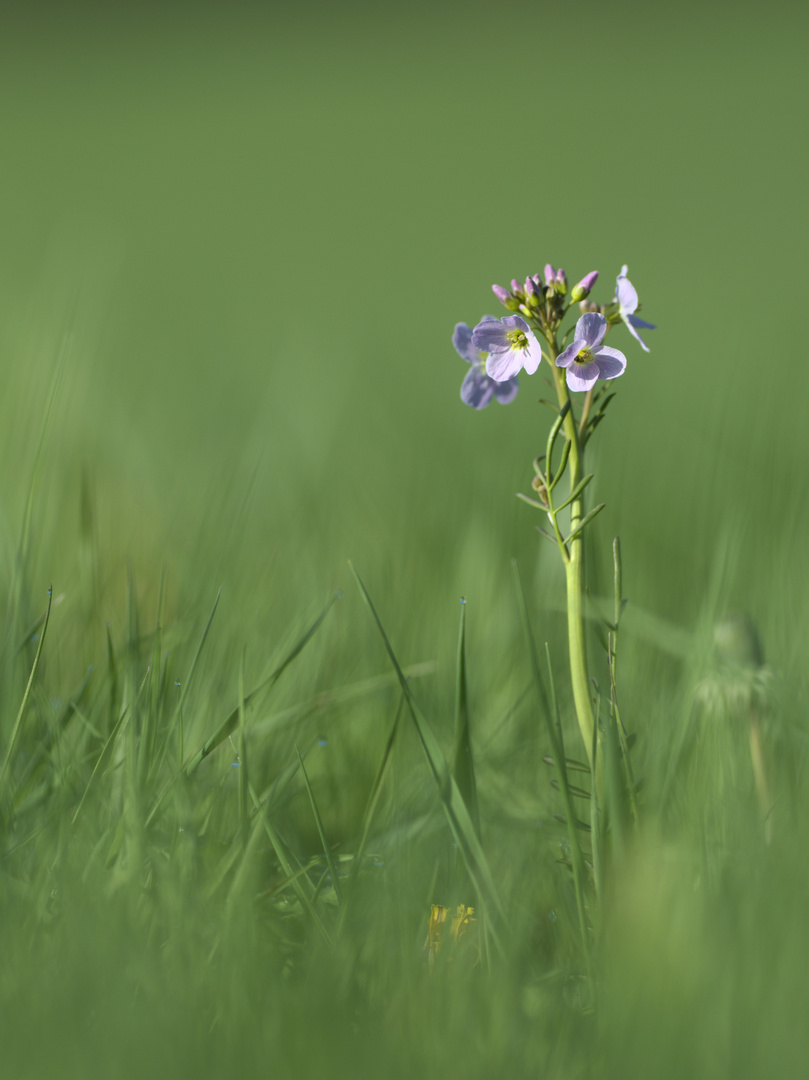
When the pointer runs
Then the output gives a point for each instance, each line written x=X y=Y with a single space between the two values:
x=257 y=227
x=261 y=227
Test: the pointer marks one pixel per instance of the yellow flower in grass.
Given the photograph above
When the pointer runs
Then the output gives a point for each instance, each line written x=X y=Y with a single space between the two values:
x=460 y=921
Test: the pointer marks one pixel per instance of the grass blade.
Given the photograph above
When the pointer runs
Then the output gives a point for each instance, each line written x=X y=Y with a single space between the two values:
x=455 y=809
x=296 y=878
x=243 y=774
x=464 y=764
x=555 y=733
x=321 y=832
x=187 y=683
x=17 y=729
x=229 y=724
x=373 y=800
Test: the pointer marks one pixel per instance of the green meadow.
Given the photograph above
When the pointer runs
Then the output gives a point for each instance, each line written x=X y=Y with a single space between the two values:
x=240 y=497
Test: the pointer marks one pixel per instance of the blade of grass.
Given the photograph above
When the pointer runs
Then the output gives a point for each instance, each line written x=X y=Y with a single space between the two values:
x=189 y=679
x=321 y=832
x=338 y=696
x=464 y=764
x=112 y=679
x=17 y=729
x=373 y=800
x=229 y=724
x=291 y=867
x=108 y=748
x=554 y=727
x=243 y=774
x=455 y=809
x=103 y=758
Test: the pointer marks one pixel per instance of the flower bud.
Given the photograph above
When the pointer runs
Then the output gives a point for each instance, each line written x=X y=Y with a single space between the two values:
x=580 y=291
x=539 y=486
x=550 y=275
x=533 y=295
x=561 y=282
x=516 y=287
x=505 y=298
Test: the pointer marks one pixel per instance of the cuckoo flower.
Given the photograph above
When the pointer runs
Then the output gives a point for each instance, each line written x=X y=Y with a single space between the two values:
x=627 y=300
x=510 y=344
x=586 y=359
x=478 y=388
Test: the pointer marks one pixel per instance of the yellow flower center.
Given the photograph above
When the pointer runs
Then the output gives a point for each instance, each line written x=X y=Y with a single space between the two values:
x=518 y=339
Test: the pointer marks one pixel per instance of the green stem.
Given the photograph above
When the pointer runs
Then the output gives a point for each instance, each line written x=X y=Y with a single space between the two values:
x=574 y=568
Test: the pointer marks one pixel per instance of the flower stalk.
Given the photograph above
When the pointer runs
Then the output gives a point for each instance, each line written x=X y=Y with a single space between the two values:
x=500 y=349
x=573 y=558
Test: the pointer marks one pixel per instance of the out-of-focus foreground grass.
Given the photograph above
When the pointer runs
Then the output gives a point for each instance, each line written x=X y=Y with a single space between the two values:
x=234 y=247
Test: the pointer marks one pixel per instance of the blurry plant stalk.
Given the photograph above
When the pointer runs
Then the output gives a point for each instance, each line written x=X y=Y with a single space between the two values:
x=573 y=557
x=572 y=549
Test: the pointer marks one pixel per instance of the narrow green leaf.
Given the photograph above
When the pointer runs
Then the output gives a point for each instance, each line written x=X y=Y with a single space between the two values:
x=103 y=758
x=373 y=800
x=585 y=521
x=576 y=492
x=455 y=809
x=112 y=679
x=109 y=746
x=321 y=832
x=17 y=729
x=243 y=774
x=570 y=763
x=291 y=867
x=531 y=502
x=560 y=471
x=464 y=764
x=580 y=793
x=228 y=725
x=189 y=678
x=547 y=535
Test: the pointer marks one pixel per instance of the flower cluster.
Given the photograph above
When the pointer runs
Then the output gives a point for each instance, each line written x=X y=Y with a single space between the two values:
x=498 y=349
x=478 y=388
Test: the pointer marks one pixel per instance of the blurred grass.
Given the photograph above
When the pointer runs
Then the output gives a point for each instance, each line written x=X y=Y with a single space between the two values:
x=250 y=233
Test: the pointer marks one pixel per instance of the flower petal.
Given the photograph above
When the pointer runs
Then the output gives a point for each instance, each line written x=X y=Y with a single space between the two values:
x=506 y=391
x=626 y=295
x=490 y=335
x=532 y=356
x=611 y=362
x=591 y=328
x=634 y=333
x=462 y=340
x=477 y=388
x=639 y=322
x=514 y=322
x=504 y=365
x=582 y=376
x=571 y=352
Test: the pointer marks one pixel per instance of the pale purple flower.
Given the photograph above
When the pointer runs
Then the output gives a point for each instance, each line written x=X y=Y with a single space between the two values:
x=510 y=344
x=627 y=300
x=586 y=359
x=478 y=388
